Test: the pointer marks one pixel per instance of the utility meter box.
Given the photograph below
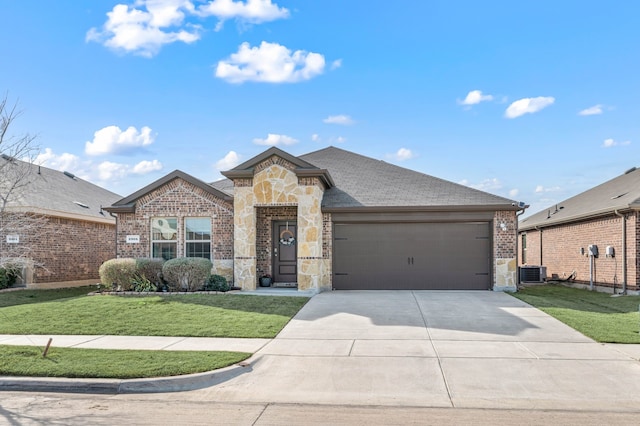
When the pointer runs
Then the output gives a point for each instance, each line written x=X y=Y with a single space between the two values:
x=610 y=251
x=593 y=250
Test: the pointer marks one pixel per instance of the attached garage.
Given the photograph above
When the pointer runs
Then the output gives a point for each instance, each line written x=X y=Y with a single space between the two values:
x=412 y=256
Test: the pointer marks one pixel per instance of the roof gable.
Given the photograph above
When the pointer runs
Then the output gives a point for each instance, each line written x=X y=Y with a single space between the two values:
x=619 y=193
x=127 y=204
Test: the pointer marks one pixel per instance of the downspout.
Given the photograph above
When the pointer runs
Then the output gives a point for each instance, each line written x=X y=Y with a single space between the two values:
x=116 y=239
x=517 y=240
x=624 y=250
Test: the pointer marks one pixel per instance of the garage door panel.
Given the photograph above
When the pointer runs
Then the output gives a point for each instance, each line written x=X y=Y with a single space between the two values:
x=412 y=256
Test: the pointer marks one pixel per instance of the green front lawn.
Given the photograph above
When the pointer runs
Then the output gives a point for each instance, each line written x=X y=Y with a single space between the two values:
x=71 y=311
x=599 y=316
x=111 y=364
x=192 y=315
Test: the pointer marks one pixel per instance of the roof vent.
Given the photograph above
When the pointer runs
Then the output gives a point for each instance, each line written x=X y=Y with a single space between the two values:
x=630 y=170
x=71 y=175
x=83 y=205
x=8 y=157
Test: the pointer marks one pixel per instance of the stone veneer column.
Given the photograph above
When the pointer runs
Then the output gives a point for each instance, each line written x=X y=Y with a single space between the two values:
x=244 y=244
x=310 y=263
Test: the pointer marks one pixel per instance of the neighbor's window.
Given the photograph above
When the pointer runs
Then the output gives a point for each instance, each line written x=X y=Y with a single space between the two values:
x=524 y=248
x=164 y=237
x=197 y=237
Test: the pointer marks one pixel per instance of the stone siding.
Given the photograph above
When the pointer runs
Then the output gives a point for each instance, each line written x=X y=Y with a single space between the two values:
x=558 y=248
x=180 y=199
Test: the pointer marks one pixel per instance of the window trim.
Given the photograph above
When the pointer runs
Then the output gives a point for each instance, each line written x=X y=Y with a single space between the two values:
x=173 y=241
x=186 y=241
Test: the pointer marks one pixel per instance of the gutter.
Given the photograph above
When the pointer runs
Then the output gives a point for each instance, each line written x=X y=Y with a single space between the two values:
x=584 y=216
x=624 y=250
x=517 y=238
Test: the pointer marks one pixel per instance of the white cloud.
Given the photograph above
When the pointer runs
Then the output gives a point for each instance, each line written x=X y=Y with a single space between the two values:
x=475 y=97
x=147 y=25
x=514 y=192
x=402 y=154
x=336 y=64
x=144 y=167
x=594 y=110
x=62 y=162
x=270 y=63
x=112 y=140
x=250 y=12
x=608 y=143
x=88 y=170
x=275 y=140
x=342 y=119
x=541 y=189
x=339 y=139
x=492 y=184
x=315 y=137
x=528 y=106
x=228 y=162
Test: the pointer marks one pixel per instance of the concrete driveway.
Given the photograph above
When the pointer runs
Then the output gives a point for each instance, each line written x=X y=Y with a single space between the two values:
x=433 y=349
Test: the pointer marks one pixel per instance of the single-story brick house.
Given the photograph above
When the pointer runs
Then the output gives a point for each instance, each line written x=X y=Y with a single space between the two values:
x=605 y=217
x=74 y=234
x=330 y=219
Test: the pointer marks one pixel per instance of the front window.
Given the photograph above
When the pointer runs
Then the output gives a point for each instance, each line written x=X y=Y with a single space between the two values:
x=197 y=232
x=164 y=237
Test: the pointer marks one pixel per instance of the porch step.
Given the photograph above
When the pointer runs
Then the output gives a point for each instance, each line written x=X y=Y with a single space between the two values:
x=284 y=285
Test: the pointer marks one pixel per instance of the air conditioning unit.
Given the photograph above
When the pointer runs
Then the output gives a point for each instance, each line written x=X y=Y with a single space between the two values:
x=533 y=274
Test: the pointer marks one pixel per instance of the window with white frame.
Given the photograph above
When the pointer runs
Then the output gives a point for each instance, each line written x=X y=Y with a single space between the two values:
x=197 y=237
x=164 y=237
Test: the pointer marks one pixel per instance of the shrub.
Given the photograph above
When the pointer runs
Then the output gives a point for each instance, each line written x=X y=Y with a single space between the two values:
x=121 y=272
x=142 y=284
x=217 y=283
x=150 y=268
x=8 y=277
x=186 y=273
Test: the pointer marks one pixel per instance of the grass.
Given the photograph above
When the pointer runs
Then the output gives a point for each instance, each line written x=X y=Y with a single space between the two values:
x=599 y=316
x=72 y=311
x=192 y=315
x=107 y=363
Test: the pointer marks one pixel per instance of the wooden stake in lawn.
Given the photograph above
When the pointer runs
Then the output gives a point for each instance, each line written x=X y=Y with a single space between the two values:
x=46 y=349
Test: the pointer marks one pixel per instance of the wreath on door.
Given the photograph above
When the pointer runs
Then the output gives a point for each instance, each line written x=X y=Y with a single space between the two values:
x=286 y=237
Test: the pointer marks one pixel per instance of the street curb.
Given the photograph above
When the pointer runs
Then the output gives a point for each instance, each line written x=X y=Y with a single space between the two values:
x=122 y=386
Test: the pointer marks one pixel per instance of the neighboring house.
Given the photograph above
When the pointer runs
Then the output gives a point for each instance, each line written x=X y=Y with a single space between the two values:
x=74 y=234
x=331 y=219
x=605 y=217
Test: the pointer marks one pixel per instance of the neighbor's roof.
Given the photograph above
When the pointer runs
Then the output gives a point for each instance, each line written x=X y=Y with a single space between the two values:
x=620 y=193
x=364 y=182
x=56 y=193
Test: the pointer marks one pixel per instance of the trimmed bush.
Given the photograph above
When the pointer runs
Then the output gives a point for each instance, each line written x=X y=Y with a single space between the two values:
x=186 y=273
x=217 y=283
x=121 y=272
x=150 y=268
x=8 y=277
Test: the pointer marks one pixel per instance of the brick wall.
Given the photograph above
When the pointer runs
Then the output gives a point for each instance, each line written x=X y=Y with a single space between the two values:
x=561 y=251
x=178 y=199
x=68 y=249
x=504 y=241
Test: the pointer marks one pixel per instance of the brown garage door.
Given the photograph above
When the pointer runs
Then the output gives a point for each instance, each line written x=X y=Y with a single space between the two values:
x=411 y=256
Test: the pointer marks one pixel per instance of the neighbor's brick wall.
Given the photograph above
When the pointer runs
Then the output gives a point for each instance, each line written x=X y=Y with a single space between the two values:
x=561 y=250
x=69 y=249
x=178 y=199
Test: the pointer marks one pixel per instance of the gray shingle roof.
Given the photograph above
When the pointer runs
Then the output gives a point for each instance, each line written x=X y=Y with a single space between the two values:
x=59 y=192
x=366 y=182
x=620 y=193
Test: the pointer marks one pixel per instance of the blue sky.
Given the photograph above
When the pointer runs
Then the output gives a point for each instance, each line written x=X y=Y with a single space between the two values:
x=532 y=100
